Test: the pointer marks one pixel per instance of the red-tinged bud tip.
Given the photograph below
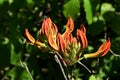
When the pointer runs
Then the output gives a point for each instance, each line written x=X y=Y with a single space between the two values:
x=70 y=24
x=82 y=28
x=61 y=43
x=46 y=26
x=81 y=35
x=29 y=37
x=105 y=47
x=102 y=51
x=52 y=43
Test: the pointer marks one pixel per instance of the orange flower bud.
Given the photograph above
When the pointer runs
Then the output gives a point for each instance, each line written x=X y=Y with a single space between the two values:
x=29 y=37
x=70 y=24
x=52 y=42
x=61 y=44
x=46 y=27
x=81 y=35
x=74 y=41
x=53 y=30
x=32 y=41
x=105 y=47
x=69 y=27
x=102 y=51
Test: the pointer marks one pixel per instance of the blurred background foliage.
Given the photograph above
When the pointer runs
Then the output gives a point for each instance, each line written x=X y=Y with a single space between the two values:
x=98 y=16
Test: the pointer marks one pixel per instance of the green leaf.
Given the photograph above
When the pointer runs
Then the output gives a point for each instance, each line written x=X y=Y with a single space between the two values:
x=92 y=77
x=18 y=73
x=115 y=25
x=14 y=58
x=72 y=8
x=88 y=10
x=30 y=3
x=106 y=7
x=113 y=21
x=96 y=28
x=1 y=2
x=4 y=56
x=117 y=1
x=10 y=1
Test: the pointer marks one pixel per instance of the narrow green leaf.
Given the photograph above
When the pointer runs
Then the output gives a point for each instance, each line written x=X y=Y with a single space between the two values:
x=88 y=10
x=72 y=8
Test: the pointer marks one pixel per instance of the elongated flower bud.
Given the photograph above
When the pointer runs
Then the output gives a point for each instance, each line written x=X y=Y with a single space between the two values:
x=32 y=41
x=102 y=51
x=69 y=27
x=62 y=44
x=81 y=35
x=52 y=42
x=46 y=27
x=29 y=37
x=70 y=24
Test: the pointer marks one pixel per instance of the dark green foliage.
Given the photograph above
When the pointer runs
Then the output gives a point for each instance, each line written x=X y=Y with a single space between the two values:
x=98 y=16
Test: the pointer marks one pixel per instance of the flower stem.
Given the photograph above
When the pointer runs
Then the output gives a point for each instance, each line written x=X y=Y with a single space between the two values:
x=58 y=61
x=81 y=58
x=64 y=63
x=85 y=67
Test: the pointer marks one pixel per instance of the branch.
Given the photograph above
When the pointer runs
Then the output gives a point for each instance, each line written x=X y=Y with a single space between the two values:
x=85 y=67
x=58 y=61
x=114 y=53
x=25 y=66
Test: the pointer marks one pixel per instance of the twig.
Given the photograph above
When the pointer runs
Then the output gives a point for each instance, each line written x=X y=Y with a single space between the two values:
x=58 y=61
x=69 y=76
x=25 y=66
x=114 y=53
x=85 y=67
x=61 y=58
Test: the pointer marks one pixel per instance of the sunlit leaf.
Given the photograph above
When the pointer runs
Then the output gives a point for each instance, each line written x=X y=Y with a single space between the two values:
x=1 y=2
x=88 y=10
x=92 y=77
x=106 y=7
x=10 y=1
x=30 y=3
x=90 y=48
x=72 y=8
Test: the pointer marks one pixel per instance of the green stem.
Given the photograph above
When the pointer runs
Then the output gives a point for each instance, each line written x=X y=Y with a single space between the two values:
x=81 y=58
